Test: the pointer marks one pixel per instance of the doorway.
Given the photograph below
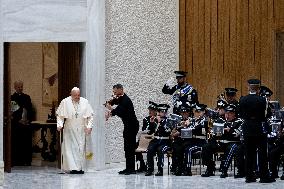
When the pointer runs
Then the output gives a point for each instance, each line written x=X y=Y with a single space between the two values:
x=48 y=72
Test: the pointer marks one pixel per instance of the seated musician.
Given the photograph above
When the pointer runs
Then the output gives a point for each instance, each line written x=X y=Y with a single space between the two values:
x=199 y=126
x=275 y=135
x=222 y=142
x=233 y=145
x=160 y=143
x=149 y=126
x=275 y=145
x=177 y=141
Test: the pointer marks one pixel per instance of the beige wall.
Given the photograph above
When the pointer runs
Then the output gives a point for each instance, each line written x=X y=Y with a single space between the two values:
x=26 y=61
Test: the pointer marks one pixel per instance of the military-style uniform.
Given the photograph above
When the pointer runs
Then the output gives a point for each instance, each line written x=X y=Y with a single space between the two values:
x=276 y=147
x=150 y=127
x=160 y=144
x=253 y=111
x=183 y=92
x=227 y=142
x=186 y=145
x=233 y=146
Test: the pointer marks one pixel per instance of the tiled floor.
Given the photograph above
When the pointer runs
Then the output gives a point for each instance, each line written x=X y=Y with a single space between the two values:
x=48 y=178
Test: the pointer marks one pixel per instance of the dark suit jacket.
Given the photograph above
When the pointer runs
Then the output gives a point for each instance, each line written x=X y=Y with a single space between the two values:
x=253 y=111
x=24 y=101
x=125 y=111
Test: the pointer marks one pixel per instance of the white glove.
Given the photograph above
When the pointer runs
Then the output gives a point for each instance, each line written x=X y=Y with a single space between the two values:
x=171 y=82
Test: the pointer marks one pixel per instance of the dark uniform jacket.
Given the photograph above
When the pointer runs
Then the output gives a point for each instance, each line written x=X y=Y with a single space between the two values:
x=182 y=93
x=235 y=127
x=148 y=125
x=253 y=111
x=163 y=130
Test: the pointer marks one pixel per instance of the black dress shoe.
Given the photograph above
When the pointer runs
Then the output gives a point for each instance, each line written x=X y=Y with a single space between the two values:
x=249 y=180
x=149 y=173
x=122 y=172
x=267 y=180
x=159 y=173
x=282 y=177
x=224 y=174
x=239 y=175
x=130 y=172
x=81 y=172
x=208 y=174
x=141 y=169
x=274 y=175
x=76 y=172
x=187 y=173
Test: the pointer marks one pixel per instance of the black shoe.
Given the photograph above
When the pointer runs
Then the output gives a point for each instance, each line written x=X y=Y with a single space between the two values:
x=267 y=180
x=130 y=172
x=239 y=175
x=76 y=172
x=148 y=173
x=189 y=173
x=208 y=173
x=224 y=174
x=159 y=173
x=81 y=172
x=274 y=175
x=250 y=180
x=282 y=177
x=141 y=169
x=122 y=172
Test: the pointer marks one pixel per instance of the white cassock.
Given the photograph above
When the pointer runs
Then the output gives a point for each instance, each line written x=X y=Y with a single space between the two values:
x=78 y=116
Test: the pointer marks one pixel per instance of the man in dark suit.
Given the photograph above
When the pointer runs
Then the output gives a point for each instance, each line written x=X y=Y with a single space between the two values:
x=253 y=110
x=21 y=132
x=125 y=111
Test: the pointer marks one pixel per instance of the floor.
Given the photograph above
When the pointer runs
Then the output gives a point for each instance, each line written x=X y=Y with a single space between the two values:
x=47 y=177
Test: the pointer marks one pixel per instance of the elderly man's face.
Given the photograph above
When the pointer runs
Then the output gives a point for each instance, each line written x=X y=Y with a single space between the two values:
x=75 y=96
x=19 y=87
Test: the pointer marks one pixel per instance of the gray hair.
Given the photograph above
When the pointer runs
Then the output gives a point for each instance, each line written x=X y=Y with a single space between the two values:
x=74 y=89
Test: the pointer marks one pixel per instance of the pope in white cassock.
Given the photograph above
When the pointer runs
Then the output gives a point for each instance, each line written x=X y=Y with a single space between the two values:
x=76 y=114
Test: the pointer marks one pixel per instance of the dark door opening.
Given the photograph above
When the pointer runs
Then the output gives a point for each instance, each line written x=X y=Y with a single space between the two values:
x=43 y=68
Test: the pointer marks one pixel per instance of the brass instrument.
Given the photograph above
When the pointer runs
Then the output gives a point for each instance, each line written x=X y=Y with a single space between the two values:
x=222 y=97
x=210 y=126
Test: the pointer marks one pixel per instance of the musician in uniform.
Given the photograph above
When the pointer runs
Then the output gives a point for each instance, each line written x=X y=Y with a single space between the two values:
x=149 y=126
x=231 y=139
x=221 y=105
x=212 y=146
x=276 y=145
x=231 y=98
x=182 y=91
x=199 y=127
x=177 y=141
x=253 y=111
x=231 y=95
x=160 y=144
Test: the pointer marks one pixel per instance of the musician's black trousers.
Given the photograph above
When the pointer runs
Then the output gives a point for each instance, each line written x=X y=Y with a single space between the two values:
x=158 y=146
x=252 y=145
x=237 y=150
x=274 y=157
x=207 y=153
x=129 y=150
